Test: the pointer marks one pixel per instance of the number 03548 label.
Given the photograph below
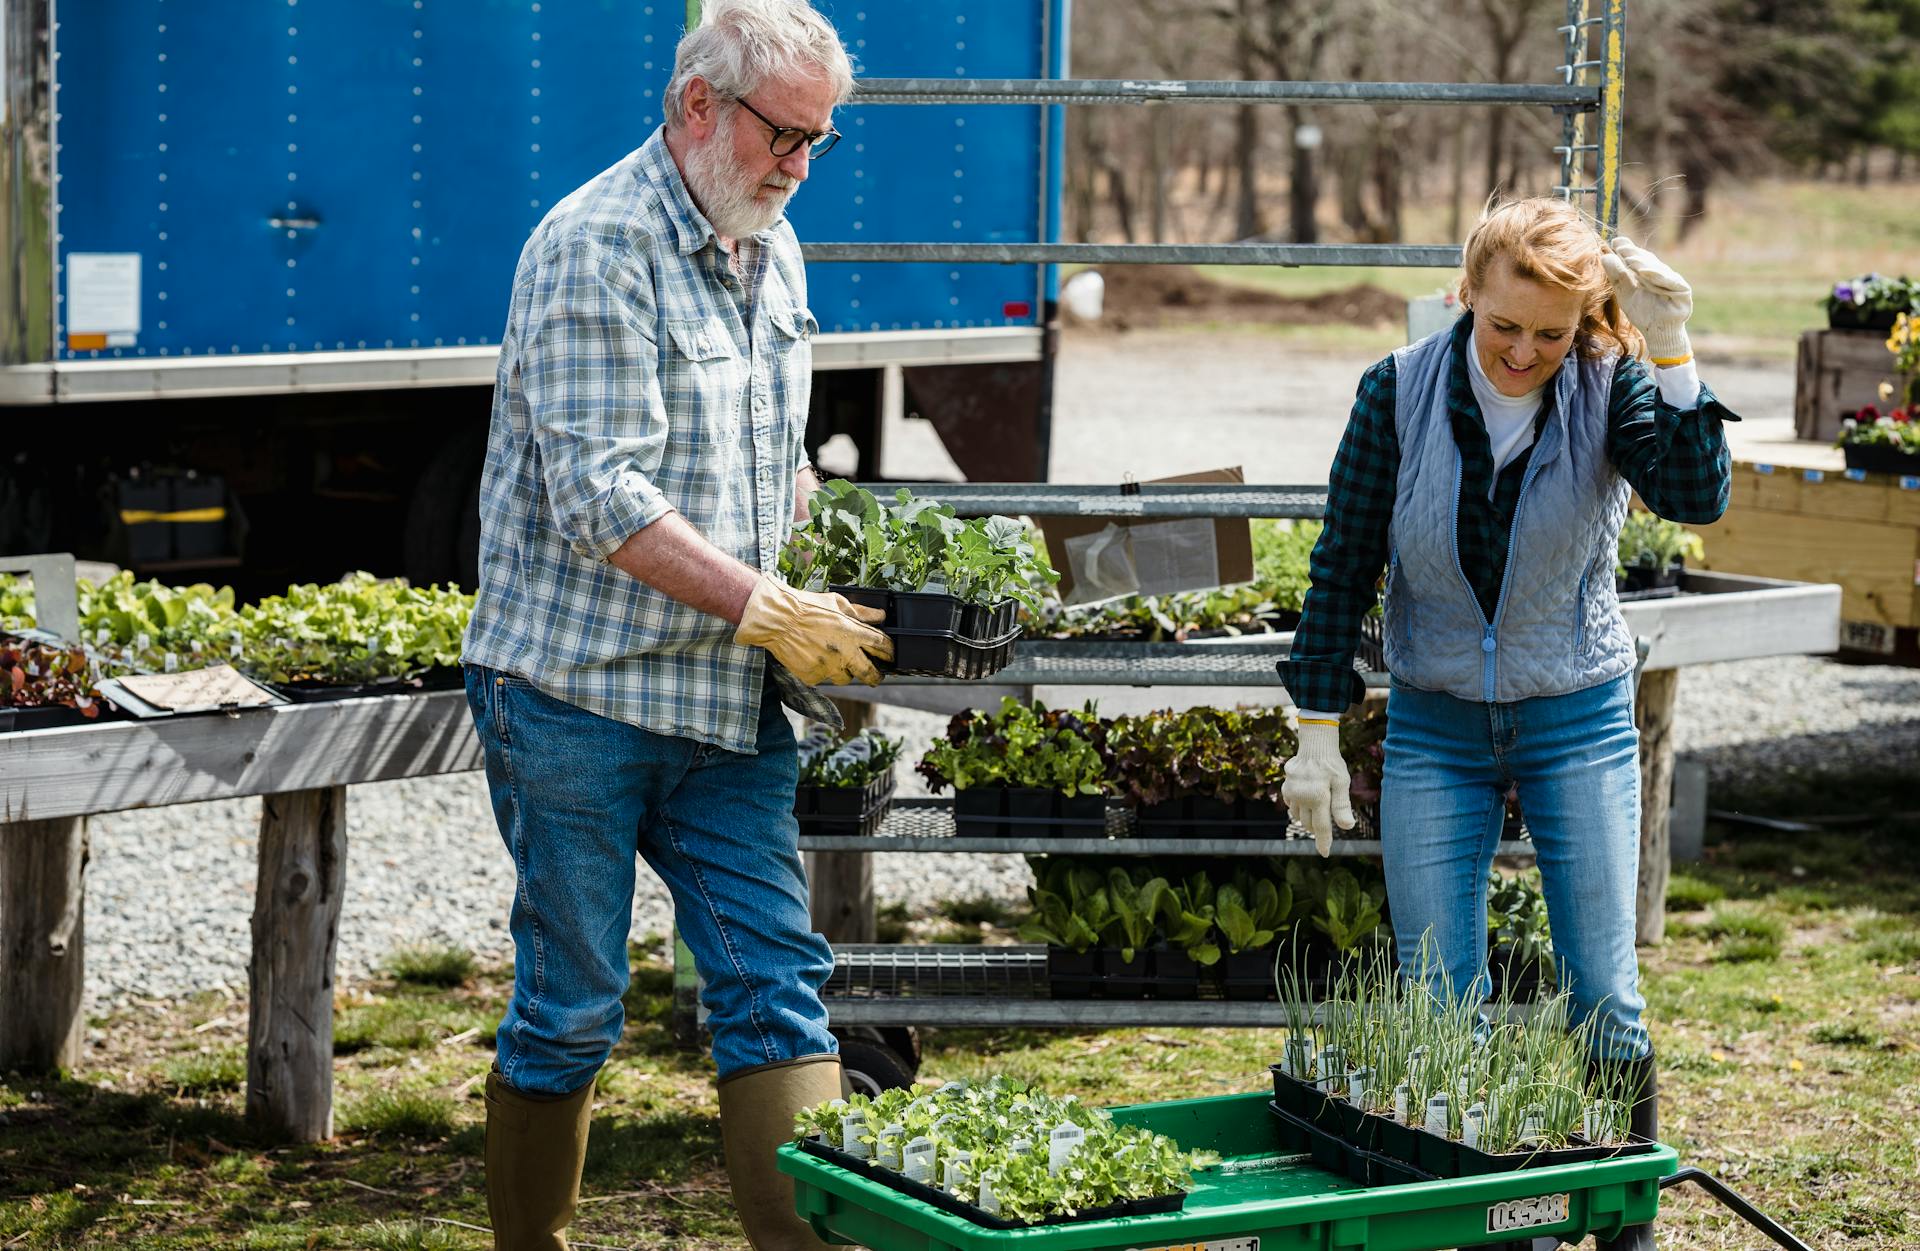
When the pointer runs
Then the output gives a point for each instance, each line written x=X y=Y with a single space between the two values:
x=1527 y=1213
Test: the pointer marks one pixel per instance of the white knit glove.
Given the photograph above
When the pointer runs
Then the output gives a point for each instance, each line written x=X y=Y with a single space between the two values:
x=1656 y=300
x=1316 y=786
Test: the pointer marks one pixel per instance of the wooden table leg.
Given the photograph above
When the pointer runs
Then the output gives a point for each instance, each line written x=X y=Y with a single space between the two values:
x=43 y=871
x=1653 y=713
x=840 y=883
x=296 y=929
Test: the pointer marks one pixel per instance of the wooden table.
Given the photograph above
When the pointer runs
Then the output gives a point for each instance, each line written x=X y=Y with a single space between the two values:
x=300 y=758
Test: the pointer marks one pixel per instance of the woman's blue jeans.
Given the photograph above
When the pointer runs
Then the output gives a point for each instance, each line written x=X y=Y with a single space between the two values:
x=1575 y=758
x=577 y=796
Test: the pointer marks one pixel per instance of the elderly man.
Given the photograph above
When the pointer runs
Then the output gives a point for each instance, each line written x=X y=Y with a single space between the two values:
x=630 y=646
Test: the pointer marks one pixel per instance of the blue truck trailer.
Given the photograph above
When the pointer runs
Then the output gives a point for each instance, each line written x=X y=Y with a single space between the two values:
x=259 y=253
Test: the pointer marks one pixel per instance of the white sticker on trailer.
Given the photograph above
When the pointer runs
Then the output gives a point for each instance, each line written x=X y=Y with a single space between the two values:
x=103 y=293
x=1251 y=1243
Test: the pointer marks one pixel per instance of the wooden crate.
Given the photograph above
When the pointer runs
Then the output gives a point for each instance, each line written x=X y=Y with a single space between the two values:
x=1837 y=372
x=1808 y=524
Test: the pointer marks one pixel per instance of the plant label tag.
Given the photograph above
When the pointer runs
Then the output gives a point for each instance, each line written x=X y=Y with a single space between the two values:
x=1765 y=469
x=1062 y=1143
x=1401 y=1096
x=1909 y=482
x=1020 y=1146
x=1815 y=475
x=1503 y=1218
x=889 y=1146
x=1856 y=475
x=953 y=1171
x=917 y=1160
x=989 y=1202
x=851 y=1127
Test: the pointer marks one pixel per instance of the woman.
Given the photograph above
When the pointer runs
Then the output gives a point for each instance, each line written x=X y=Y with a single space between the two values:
x=1486 y=469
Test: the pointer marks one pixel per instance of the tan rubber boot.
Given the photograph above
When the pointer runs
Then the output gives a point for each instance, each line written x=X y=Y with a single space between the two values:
x=535 y=1147
x=757 y=1108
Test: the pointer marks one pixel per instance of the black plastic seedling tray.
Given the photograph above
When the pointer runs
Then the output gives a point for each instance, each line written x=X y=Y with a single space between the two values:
x=1020 y=811
x=50 y=718
x=937 y=636
x=844 y=810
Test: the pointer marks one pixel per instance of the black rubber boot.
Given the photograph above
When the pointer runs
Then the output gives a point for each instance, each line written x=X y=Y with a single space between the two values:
x=1643 y=1122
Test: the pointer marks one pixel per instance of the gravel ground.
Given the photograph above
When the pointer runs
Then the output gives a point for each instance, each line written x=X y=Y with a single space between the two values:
x=171 y=890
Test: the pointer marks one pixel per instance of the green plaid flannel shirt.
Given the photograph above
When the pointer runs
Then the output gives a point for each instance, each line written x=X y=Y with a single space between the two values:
x=1676 y=459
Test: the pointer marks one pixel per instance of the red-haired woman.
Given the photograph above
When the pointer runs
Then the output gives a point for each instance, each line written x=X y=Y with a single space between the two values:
x=1487 y=469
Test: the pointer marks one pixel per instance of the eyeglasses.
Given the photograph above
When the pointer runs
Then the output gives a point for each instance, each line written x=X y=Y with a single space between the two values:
x=786 y=139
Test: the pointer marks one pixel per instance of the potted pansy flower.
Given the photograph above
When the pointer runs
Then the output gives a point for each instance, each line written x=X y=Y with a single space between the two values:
x=1889 y=441
x=1870 y=302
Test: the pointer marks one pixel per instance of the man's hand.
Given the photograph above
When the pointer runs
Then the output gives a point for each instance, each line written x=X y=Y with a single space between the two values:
x=1656 y=300
x=1316 y=786
x=817 y=635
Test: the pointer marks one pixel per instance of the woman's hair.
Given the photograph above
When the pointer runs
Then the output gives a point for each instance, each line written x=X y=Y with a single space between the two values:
x=740 y=44
x=1549 y=240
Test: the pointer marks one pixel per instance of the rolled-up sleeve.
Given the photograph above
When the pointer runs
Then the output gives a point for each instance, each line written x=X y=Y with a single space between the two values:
x=1675 y=458
x=589 y=367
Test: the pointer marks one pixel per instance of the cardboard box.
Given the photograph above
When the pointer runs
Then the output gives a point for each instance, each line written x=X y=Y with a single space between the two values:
x=1101 y=557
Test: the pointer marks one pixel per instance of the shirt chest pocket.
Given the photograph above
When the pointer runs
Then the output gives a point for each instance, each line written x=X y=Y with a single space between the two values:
x=794 y=329
x=701 y=380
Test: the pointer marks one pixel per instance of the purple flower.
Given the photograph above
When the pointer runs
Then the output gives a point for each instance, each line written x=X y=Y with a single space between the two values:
x=1843 y=292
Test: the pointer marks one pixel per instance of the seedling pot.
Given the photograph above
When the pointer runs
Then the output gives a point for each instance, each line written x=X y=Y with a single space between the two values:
x=843 y=810
x=1176 y=975
x=976 y=812
x=946 y=654
x=925 y=610
x=1071 y=974
x=1032 y=803
x=1247 y=975
x=1124 y=979
x=869 y=597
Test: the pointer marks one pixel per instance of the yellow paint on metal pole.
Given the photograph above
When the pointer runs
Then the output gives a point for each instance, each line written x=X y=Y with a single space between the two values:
x=1612 y=112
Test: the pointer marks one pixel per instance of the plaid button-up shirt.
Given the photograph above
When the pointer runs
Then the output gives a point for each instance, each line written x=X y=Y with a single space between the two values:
x=639 y=374
x=1676 y=459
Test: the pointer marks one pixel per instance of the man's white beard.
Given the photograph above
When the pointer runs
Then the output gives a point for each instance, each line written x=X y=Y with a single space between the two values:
x=724 y=189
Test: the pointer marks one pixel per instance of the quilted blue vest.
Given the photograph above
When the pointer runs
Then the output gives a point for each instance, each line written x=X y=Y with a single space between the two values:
x=1557 y=626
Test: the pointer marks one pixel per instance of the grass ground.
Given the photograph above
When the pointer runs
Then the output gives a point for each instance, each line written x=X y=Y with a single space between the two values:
x=1759 y=264
x=1785 y=1004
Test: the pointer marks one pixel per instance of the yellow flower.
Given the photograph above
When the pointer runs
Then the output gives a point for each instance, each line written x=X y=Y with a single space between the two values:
x=1795 y=1065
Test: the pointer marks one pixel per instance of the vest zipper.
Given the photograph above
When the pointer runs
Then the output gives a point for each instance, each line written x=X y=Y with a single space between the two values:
x=1487 y=643
x=1506 y=574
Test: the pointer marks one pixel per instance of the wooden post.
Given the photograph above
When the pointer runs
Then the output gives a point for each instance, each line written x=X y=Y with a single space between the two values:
x=1653 y=714
x=840 y=883
x=296 y=928
x=43 y=871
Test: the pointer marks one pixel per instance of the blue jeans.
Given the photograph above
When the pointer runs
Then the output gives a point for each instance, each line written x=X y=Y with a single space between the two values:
x=1449 y=763
x=577 y=795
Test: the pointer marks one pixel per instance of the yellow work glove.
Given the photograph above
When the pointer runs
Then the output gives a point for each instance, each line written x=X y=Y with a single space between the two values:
x=1655 y=299
x=1316 y=786
x=817 y=635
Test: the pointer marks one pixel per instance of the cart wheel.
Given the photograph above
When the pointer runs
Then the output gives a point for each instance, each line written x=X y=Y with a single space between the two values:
x=872 y=1067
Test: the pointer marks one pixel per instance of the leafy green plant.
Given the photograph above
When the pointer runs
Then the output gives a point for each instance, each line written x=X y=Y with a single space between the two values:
x=1517 y=921
x=155 y=627
x=45 y=675
x=1136 y=904
x=991 y=1146
x=1282 y=555
x=1187 y=917
x=1021 y=745
x=1247 y=609
x=852 y=538
x=1352 y=913
x=1221 y=753
x=1651 y=542
x=1251 y=913
x=1070 y=905
x=360 y=629
x=853 y=762
x=1873 y=293
x=16 y=603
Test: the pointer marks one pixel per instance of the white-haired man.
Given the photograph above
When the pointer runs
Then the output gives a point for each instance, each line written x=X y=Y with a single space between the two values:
x=629 y=645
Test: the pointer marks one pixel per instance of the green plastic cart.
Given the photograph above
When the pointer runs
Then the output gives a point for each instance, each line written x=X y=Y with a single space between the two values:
x=1266 y=1195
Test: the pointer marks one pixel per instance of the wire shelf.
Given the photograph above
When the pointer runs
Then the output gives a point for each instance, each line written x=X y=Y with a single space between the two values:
x=889 y=971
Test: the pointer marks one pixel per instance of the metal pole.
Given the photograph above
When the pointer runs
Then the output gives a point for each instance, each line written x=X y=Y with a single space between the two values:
x=1179 y=91
x=1429 y=256
x=1613 y=90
